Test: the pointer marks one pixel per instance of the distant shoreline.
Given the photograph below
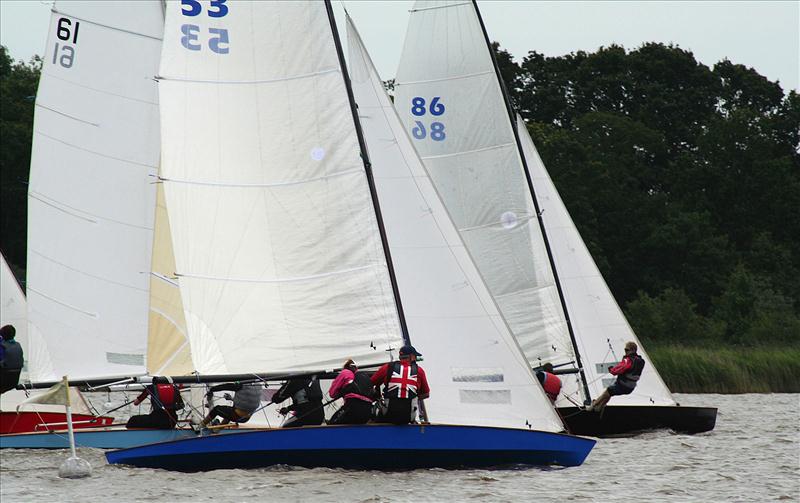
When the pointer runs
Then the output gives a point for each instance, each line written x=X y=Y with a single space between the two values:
x=728 y=369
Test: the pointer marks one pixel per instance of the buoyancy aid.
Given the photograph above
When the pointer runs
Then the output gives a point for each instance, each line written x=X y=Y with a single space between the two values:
x=360 y=385
x=551 y=385
x=166 y=395
x=631 y=377
x=401 y=381
x=247 y=399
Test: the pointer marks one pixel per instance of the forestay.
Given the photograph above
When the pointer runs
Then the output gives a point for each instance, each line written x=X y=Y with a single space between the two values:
x=450 y=100
x=91 y=194
x=13 y=308
x=597 y=320
x=476 y=371
x=277 y=247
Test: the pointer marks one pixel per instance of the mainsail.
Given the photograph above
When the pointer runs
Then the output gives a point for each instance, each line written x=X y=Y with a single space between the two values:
x=91 y=197
x=277 y=246
x=596 y=317
x=475 y=368
x=452 y=104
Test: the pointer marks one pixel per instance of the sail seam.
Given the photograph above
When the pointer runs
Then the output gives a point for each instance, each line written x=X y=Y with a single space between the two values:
x=282 y=280
x=444 y=79
x=87 y=313
x=128 y=161
x=105 y=280
x=467 y=152
x=261 y=185
x=95 y=124
x=101 y=91
x=266 y=81
x=440 y=7
x=69 y=210
x=521 y=219
x=114 y=28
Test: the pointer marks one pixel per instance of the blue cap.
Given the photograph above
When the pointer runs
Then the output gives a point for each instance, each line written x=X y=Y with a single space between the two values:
x=409 y=350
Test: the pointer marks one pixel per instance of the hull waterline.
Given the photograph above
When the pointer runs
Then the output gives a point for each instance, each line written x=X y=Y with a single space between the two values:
x=363 y=447
x=100 y=438
x=628 y=419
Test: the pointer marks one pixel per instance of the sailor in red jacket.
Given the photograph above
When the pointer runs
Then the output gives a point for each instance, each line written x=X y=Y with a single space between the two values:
x=628 y=372
x=549 y=381
x=404 y=382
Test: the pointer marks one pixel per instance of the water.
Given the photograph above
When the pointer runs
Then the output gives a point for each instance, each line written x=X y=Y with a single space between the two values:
x=752 y=455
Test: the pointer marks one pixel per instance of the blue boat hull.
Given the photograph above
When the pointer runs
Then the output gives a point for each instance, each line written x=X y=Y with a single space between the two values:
x=97 y=438
x=379 y=447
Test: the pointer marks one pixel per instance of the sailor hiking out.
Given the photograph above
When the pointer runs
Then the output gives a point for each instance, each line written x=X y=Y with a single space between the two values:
x=549 y=381
x=356 y=388
x=246 y=400
x=165 y=401
x=404 y=383
x=628 y=372
x=306 y=408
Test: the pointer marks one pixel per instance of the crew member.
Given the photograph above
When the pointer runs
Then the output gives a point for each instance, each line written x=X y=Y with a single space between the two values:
x=165 y=401
x=404 y=382
x=356 y=388
x=628 y=372
x=549 y=381
x=306 y=408
x=246 y=400
x=12 y=360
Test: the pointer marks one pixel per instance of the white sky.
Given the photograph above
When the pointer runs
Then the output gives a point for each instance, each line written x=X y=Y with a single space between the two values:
x=764 y=35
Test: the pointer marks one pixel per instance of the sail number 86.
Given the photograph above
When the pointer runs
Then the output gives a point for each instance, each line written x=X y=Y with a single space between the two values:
x=435 y=108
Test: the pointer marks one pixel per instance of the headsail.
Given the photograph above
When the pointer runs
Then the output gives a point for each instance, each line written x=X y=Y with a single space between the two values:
x=597 y=319
x=91 y=196
x=13 y=309
x=477 y=372
x=452 y=104
x=276 y=241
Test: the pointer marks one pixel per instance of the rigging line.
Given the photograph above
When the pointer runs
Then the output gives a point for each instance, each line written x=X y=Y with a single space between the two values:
x=261 y=185
x=445 y=79
x=87 y=313
x=99 y=154
x=114 y=28
x=95 y=124
x=164 y=278
x=101 y=91
x=74 y=211
x=283 y=280
x=521 y=219
x=467 y=152
x=439 y=7
x=246 y=82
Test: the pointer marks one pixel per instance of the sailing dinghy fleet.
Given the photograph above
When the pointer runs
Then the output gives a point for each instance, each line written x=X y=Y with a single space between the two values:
x=223 y=198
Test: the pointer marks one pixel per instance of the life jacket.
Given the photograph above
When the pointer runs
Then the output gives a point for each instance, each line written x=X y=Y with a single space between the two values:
x=401 y=381
x=166 y=397
x=247 y=399
x=551 y=385
x=12 y=360
x=631 y=377
x=360 y=385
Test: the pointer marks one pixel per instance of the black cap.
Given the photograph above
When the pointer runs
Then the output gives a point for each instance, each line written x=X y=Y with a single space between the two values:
x=409 y=350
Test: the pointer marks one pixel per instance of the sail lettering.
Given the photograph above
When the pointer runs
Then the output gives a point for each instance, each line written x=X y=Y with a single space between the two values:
x=218 y=37
x=64 y=54
x=436 y=109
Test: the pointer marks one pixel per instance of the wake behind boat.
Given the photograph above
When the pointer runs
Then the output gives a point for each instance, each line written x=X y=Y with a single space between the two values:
x=371 y=446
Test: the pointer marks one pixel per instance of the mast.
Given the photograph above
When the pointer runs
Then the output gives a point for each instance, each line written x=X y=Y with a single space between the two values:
x=528 y=178
x=368 y=170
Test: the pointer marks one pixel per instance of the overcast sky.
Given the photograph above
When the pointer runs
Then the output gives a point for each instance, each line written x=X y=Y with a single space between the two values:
x=764 y=35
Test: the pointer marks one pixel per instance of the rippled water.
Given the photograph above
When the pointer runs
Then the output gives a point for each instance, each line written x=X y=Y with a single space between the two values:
x=752 y=455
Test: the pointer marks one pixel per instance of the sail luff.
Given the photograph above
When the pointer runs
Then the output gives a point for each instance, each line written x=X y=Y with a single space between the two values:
x=529 y=180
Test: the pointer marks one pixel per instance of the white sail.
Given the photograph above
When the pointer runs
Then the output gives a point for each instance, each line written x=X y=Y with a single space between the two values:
x=450 y=100
x=596 y=318
x=91 y=196
x=13 y=310
x=477 y=373
x=277 y=246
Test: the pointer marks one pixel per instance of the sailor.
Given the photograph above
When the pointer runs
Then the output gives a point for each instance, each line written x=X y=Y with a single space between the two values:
x=306 y=408
x=628 y=372
x=549 y=381
x=356 y=388
x=246 y=400
x=404 y=382
x=165 y=401
x=12 y=359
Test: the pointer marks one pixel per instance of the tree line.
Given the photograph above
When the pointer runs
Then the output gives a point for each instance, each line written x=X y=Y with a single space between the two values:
x=683 y=180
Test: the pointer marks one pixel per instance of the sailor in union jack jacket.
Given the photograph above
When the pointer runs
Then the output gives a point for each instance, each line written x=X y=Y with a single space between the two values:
x=403 y=382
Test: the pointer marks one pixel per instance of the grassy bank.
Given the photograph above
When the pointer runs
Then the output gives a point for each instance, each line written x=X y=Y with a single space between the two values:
x=728 y=370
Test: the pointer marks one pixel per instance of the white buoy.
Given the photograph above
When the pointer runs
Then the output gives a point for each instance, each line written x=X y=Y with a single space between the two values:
x=73 y=467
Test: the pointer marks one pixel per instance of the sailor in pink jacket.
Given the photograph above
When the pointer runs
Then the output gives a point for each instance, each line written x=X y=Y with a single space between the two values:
x=356 y=389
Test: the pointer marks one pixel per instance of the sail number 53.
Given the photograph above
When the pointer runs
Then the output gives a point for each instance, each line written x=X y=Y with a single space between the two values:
x=218 y=37
x=419 y=109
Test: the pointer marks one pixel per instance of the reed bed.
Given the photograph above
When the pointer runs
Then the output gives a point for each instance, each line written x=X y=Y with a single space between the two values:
x=728 y=369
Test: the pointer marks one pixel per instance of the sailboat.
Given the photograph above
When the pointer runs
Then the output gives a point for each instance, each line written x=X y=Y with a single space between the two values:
x=18 y=418
x=294 y=252
x=452 y=100
x=92 y=211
